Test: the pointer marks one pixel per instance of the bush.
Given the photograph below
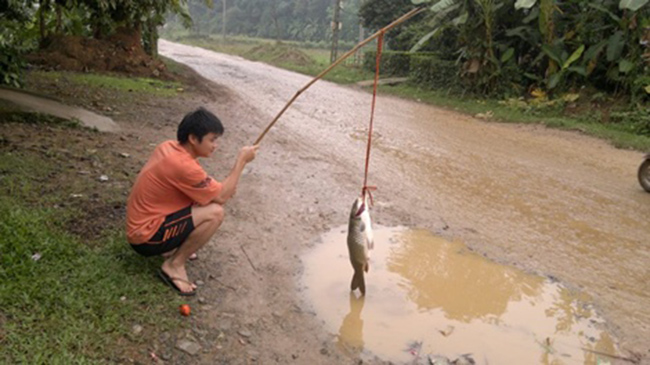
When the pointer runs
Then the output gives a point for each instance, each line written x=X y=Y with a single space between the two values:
x=638 y=120
x=434 y=73
x=431 y=71
x=393 y=63
x=11 y=65
x=640 y=87
x=423 y=68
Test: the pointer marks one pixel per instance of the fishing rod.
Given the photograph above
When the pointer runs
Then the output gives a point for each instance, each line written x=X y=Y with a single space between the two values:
x=383 y=30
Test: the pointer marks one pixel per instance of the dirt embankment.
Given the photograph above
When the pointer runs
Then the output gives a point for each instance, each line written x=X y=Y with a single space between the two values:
x=280 y=53
x=121 y=52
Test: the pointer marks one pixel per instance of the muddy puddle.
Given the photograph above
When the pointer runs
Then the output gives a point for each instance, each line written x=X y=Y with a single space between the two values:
x=430 y=297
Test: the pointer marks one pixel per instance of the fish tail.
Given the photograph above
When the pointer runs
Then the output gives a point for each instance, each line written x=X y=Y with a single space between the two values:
x=358 y=282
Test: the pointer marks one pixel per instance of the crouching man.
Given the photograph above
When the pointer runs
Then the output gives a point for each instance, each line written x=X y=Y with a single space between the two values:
x=174 y=207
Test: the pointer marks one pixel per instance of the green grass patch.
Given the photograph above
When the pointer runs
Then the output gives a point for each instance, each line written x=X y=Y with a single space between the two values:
x=173 y=66
x=233 y=46
x=621 y=135
x=65 y=306
x=64 y=300
x=119 y=83
x=12 y=116
x=20 y=175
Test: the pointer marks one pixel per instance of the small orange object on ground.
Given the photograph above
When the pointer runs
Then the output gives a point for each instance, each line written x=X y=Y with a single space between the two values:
x=185 y=310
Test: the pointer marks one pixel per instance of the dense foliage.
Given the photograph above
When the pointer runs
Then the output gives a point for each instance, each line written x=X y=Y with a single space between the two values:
x=14 y=40
x=28 y=24
x=301 y=20
x=511 y=47
x=498 y=47
x=377 y=14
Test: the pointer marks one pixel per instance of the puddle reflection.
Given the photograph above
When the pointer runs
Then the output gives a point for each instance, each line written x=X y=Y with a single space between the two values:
x=460 y=283
x=423 y=289
x=350 y=338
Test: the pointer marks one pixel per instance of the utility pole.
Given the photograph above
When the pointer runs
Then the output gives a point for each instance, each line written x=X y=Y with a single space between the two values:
x=223 y=20
x=336 y=27
x=358 y=57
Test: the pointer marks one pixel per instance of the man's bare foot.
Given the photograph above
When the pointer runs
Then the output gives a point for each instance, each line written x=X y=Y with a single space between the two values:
x=179 y=276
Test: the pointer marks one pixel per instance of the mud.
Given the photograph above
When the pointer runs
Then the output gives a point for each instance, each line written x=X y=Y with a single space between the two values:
x=550 y=203
x=122 y=52
x=553 y=203
x=428 y=297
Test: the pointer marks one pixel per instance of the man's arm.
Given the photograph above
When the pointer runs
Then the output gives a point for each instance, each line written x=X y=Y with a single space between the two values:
x=229 y=184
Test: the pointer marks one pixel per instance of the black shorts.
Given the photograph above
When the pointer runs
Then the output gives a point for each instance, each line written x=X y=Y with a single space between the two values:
x=171 y=234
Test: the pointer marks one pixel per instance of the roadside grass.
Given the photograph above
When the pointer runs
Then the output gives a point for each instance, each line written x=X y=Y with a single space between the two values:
x=620 y=135
x=66 y=298
x=173 y=66
x=232 y=45
x=36 y=118
x=319 y=60
x=65 y=307
x=119 y=83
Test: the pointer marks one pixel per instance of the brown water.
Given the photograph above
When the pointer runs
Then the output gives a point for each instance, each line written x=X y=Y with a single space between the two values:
x=553 y=202
x=424 y=289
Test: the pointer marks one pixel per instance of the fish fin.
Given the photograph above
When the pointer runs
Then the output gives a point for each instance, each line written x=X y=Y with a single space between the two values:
x=366 y=267
x=355 y=281
x=362 y=227
x=358 y=282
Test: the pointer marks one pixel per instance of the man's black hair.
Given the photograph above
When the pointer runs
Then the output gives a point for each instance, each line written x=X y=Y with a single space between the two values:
x=199 y=123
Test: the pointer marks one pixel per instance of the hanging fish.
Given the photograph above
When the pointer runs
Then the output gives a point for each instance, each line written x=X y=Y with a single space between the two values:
x=360 y=240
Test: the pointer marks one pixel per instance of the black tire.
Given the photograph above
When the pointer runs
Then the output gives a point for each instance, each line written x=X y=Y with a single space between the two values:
x=644 y=175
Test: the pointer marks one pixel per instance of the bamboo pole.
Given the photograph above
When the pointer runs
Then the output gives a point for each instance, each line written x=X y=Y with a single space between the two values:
x=398 y=21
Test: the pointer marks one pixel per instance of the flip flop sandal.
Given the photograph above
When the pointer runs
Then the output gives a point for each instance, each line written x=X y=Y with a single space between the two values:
x=170 y=281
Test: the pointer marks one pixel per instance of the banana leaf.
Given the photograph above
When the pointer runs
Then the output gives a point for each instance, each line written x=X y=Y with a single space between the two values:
x=442 y=5
x=625 y=66
x=507 y=55
x=633 y=5
x=574 y=56
x=552 y=54
x=615 y=46
x=605 y=10
x=555 y=79
x=424 y=39
x=525 y=4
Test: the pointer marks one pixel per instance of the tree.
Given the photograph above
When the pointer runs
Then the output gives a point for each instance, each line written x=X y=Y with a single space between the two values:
x=376 y=14
x=544 y=43
x=301 y=20
x=27 y=24
x=16 y=22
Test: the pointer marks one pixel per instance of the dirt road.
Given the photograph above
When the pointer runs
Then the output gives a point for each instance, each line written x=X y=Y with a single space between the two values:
x=553 y=203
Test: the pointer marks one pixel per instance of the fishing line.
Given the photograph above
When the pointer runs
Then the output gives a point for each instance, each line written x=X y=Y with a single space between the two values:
x=367 y=189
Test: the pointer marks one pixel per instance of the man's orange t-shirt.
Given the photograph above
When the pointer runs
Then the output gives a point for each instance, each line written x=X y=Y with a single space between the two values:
x=171 y=180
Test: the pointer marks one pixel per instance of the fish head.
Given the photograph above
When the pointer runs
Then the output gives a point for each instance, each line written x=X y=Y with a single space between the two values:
x=359 y=206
